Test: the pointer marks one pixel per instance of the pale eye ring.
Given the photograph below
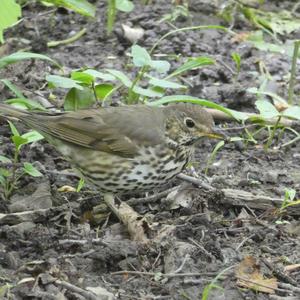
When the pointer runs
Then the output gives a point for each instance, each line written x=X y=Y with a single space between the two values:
x=189 y=122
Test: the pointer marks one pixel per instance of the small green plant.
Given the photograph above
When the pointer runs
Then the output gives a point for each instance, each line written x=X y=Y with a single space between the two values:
x=178 y=10
x=289 y=199
x=281 y=109
x=237 y=59
x=13 y=170
x=112 y=7
x=10 y=10
x=82 y=7
x=87 y=87
x=213 y=285
x=20 y=99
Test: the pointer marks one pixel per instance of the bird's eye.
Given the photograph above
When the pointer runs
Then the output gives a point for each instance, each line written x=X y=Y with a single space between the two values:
x=189 y=123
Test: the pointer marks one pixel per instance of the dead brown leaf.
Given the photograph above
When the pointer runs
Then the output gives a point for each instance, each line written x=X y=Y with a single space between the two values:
x=249 y=276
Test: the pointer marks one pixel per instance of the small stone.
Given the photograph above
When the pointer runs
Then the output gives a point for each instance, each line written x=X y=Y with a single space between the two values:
x=40 y=199
x=271 y=176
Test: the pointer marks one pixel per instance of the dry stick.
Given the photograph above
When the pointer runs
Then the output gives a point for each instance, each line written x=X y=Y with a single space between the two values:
x=196 y=181
x=125 y=272
x=152 y=198
x=234 y=197
x=86 y=294
x=128 y=217
x=279 y=274
x=209 y=255
x=289 y=287
x=260 y=284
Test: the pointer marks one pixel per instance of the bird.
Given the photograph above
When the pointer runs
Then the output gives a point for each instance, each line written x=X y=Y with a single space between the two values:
x=124 y=149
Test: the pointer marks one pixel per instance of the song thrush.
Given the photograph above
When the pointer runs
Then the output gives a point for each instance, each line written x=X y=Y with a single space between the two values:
x=123 y=149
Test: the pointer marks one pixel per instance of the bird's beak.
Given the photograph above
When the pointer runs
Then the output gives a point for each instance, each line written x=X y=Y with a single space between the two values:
x=216 y=133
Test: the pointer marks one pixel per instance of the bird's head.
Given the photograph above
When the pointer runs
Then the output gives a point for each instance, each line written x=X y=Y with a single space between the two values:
x=186 y=123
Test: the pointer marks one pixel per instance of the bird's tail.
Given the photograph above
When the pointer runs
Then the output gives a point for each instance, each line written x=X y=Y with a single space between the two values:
x=8 y=111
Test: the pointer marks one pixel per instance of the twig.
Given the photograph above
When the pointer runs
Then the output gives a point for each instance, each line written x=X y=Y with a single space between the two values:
x=131 y=219
x=205 y=252
x=243 y=242
x=162 y=274
x=150 y=199
x=179 y=269
x=87 y=295
x=279 y=274
x=259 y=284
x=97 y=241
x=196 y=181
x=290 y=287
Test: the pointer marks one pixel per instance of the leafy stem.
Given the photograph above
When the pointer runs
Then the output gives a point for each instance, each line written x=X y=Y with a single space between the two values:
x=141 y=73
x=293 y=73
x=272 y=135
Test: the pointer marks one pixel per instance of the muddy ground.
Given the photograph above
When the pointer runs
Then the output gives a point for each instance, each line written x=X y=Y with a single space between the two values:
x=55 y=245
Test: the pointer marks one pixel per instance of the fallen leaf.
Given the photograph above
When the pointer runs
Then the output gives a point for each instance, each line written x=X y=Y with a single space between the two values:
x=249 y=276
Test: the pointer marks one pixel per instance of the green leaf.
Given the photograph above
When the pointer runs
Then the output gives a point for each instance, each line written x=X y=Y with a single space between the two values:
x=97 y=74
x=82 y=7
x=13 y=88
x=213 y=155
x=103 y=90
x=272 y=95
x=32 y=136
x=3 y=183
x=5 y=172
x=25 y=104
x=146 y=92
x=63 y=82
x=10 y=11
x=19 y=56
x=31 y=170
x=13 y=129
x=158 y=276
x=78 y=99
x=4 y=159
x=289 y=194
x=165 y=83
x=140 y=56
x=124 y=5
x=237 y=59
x=292 y=112
x=256 y=38
x=120 y=76
x=18 y=141
x=161 y=66
x=82 y=77
x=184 y=98
x=266 y=109
x=192 y=63
x=80 y=185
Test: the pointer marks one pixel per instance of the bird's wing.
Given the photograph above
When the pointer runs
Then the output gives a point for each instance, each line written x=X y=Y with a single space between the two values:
x=116 y=130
